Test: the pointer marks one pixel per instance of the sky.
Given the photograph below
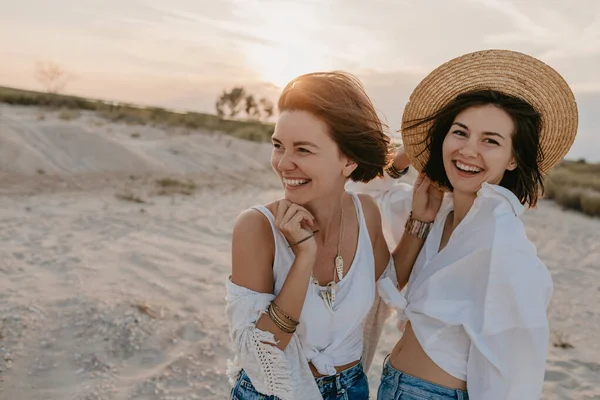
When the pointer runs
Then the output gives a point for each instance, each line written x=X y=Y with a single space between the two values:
x=181 y=54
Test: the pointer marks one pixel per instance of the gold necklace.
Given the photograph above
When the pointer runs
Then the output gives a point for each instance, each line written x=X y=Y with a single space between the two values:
x=328 y=292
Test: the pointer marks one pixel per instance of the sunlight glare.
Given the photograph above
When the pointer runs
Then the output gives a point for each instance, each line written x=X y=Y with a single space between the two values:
x=289 y=45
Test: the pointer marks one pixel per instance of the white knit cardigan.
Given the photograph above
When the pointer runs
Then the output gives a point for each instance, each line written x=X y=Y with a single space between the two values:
x=283 y=373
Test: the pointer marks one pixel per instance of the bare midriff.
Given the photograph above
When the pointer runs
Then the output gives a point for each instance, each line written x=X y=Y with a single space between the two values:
x=339 y=369
x=409 y=357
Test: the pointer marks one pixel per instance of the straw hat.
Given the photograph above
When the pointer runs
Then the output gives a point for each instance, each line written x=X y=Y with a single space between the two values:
x=509 y=72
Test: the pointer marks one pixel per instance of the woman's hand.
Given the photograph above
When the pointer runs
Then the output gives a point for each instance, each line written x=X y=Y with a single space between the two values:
x=401 y=160
x=427 y=199
x=296 y=223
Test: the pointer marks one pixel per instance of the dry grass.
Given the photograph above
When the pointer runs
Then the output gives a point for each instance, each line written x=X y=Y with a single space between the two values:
x=575 y=186
x=149 y=310
x=171 y=186
x=128 y=196
x=68 y=114
x=132 y=114
x=561 y=341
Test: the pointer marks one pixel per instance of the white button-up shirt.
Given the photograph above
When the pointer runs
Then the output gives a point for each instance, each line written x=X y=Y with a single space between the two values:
x=478 y=306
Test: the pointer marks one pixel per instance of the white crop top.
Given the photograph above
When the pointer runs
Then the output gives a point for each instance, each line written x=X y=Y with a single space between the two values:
x=328 y=338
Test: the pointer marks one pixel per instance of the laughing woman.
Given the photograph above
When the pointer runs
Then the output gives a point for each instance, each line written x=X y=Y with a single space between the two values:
x=485 y=127
x=305 y=267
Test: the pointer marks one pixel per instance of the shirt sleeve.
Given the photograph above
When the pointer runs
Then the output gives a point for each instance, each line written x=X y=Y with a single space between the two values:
x=394 y=200
x=281 y=373
x=509 y=330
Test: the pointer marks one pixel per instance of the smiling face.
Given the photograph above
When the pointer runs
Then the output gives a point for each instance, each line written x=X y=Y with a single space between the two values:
x=478 y=148
x=305 y=157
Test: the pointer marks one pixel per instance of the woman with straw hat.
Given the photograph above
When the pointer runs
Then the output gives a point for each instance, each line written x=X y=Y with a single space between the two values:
x=485 y=127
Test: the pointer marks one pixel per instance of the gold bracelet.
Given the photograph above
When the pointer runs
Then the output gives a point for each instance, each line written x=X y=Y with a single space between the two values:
x=280 y=323
x=286 y=327
x=417 y=228
x=274 y=307
x=277 y=308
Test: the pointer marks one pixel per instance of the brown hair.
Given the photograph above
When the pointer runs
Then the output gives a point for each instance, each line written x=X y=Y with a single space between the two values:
x=525 y=181
x=339 y=99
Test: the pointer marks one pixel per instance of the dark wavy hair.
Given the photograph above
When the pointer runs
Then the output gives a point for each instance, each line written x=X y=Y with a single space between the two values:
x=339 y=99
x=526 y=180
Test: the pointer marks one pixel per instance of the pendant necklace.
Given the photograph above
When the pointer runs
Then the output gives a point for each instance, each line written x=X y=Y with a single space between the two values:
x=327 y=293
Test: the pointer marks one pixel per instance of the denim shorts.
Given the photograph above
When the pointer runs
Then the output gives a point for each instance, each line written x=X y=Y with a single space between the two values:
x=350 y=384
x=396 y=385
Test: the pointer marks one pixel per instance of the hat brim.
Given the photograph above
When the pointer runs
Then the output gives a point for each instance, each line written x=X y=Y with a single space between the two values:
x=505 y=71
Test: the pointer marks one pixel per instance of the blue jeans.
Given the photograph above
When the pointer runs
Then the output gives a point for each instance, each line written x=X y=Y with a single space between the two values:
x=350 y=384
x=396 y=385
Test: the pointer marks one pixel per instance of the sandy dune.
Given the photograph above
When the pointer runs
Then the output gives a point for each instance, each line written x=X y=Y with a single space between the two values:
x=90 y=144
x=105 y=298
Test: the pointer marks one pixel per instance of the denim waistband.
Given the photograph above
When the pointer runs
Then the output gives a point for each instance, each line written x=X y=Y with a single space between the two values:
x=343 y=379
x=419 y=386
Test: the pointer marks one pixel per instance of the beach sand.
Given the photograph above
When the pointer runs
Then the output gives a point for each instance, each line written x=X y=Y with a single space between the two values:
x=116 y=247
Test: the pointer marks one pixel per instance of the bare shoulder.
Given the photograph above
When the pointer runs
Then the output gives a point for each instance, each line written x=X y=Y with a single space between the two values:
x=252 y=251
x=370 y=210
x=249 y=220
x=372 y=216
x=374 y=225
x=251 y=226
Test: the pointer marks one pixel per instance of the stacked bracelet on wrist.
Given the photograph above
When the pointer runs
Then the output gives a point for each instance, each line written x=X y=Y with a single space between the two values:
x=394 y=173
x=286 y=323
x=292 y=320
x=417 y=228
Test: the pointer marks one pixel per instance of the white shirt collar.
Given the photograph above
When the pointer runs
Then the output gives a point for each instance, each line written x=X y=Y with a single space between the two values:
x=488 y=191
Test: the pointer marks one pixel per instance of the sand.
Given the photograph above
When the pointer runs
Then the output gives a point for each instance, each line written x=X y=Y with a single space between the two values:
x=112 y=278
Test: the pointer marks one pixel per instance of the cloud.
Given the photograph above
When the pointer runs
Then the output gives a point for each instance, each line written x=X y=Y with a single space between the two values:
x=518 y=18
x=182 y=53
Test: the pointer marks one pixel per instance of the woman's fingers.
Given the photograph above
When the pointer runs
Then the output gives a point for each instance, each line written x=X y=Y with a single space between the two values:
x=297 y=219
x=424 y=186
x=419 y=180
x=436 y=192
x=298 y=211
x=291 y=212
x=281 y=208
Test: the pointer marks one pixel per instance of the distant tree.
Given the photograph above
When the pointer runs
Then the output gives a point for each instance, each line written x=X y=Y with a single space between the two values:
x=252 y=109
x=220 y=105
x=231 y=103
x=267 y=107
x=236 y=99
x=52 y=76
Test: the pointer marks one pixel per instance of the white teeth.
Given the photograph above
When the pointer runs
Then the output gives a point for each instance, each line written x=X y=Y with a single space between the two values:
x=468 y=168
x=294 y=182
